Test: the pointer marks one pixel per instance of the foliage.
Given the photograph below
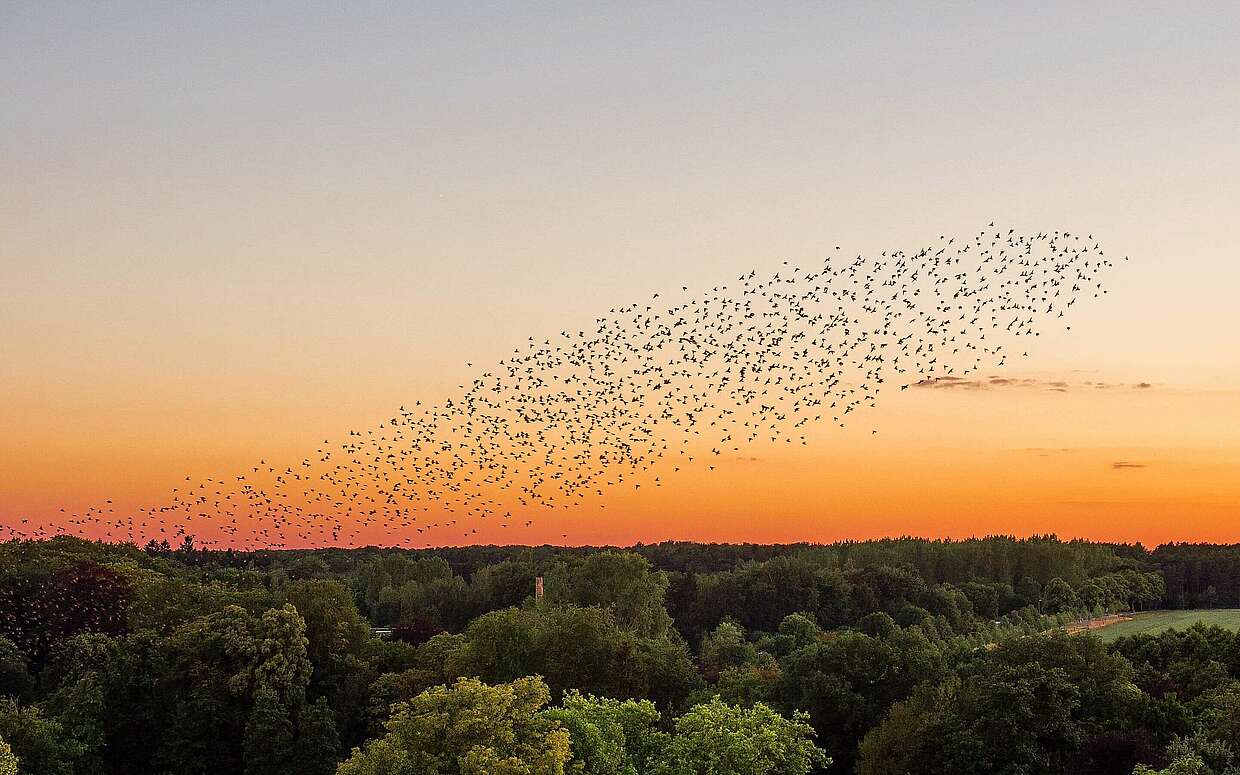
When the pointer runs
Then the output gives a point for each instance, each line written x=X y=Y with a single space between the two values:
x=715 y=738
x=468 y=728
x=899 y=655
x=609 y=737
x=8 y=762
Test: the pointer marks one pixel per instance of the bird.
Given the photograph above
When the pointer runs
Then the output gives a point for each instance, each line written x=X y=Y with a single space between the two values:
x=649 y=388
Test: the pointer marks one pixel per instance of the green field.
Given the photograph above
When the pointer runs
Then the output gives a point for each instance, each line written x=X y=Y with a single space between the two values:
x=1157 y=621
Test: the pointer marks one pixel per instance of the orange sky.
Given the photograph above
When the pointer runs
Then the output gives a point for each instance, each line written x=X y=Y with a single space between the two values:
x=227 y=234
x=1124 y=463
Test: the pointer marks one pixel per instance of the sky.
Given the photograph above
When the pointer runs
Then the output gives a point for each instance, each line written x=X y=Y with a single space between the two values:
x=228 y=233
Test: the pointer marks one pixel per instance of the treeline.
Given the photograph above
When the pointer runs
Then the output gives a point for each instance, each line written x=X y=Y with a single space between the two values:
x=1200 y=575
x=901 y=655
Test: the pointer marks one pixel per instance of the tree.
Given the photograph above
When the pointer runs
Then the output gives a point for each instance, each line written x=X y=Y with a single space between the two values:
x=609 y=737
x=468 y=728
x=847 y=680
x=577 y=648
x=993 y=717
x=336 y=645
x=715 y=738
x=1197 y=754
x=877 y=625
x=268 y=735
x=503 y=585
x=315 y=750
x=1059 y=597
x=1094 y=598
x=41 y=606
x=38 y=743
x=621 y=582
x=15 y=678
x=752 y=683
x=219 y=669
x=725 y=647
x=8 y=762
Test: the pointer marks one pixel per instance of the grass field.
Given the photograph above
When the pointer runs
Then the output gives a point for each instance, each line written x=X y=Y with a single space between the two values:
x=1157 y=621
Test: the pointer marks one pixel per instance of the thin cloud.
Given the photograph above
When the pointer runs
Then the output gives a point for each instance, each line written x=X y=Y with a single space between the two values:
x=1121 y=464
x=1028 y=383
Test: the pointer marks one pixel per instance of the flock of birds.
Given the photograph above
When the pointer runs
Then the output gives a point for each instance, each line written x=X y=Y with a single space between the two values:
x=650 y=388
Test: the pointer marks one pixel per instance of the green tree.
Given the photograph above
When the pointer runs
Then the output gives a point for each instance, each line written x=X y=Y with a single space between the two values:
x=1001 y=720
x=877 y=625
x=609 y=737
x=1197 y=754
x=468 y=728
x=318 y=743
x=725 y=647
x=268 y=734
x=1059 y=597
x=336 y=639
x=577 y=648
x=716 y=738
x=8 y=762
x=39 y=744
x=1191 y=764
x=620 y=582
x=846 y=682
x=15 y=678
x=216 y=669
x=751 y=683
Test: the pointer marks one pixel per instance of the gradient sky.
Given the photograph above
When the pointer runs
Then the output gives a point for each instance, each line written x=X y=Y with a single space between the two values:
x=230 y=233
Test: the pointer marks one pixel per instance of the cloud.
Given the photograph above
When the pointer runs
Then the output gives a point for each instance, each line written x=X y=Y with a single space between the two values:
x=1044 y=451
x=949 y=382
x=1051 y=385
x=1120 y=464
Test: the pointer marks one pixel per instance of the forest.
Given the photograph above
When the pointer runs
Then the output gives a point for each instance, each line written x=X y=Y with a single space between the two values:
x=878 y=657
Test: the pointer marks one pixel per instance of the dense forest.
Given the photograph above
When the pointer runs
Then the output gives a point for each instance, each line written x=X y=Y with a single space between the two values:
x=880 y=657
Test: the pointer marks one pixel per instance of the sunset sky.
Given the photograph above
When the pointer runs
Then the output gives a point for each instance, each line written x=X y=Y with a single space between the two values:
x=227 y=234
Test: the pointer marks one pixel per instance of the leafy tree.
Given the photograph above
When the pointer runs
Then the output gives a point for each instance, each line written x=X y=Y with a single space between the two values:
x=502 y=585
x=336 y=645
x=847 y=680
x=609 y=737
x=751 y=683
x=391 y=688
x=8 y=762
x=15 y=678
x=1218 y=712
x=316 y=749
x=725 y=647
x=577 y=648
x=877 y=625
x=42 y=605
x=1005 y=720
x=1059 y=597
x=38 y=743
x=1025 y=706
x=309 y=567
x=714 y=738
x=1197 y=754
x=620 y=582
x=268 y=734
x=218 y=668
x=469 y=728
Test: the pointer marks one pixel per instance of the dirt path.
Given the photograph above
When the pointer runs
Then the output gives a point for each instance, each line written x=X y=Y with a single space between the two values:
x=1097 y=623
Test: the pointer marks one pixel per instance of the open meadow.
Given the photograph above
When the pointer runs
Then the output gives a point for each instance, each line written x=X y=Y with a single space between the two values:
x=1154 y=622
